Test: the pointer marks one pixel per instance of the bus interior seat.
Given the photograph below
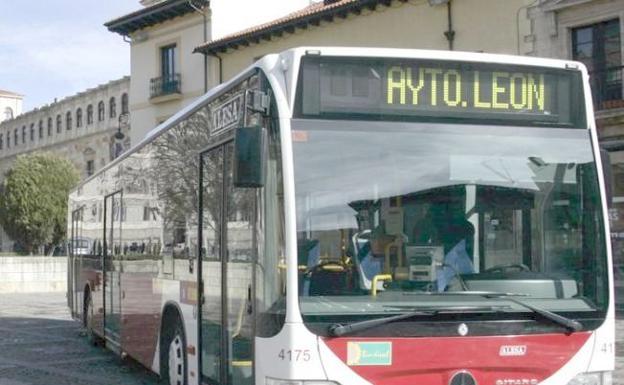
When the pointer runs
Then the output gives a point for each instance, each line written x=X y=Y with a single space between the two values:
x=330 y=278
x=308 y=256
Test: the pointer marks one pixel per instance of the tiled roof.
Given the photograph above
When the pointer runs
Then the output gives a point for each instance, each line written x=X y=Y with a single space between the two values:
x=311 y=15
x=154 y=14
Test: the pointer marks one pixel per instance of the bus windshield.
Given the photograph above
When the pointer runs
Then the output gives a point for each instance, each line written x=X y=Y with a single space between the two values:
x=396 y=215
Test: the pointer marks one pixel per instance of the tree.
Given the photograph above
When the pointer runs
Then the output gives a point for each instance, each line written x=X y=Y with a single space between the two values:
x=33 y=199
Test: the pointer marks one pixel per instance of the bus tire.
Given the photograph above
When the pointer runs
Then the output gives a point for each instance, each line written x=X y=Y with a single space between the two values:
x=87 y=319
x=173 y=361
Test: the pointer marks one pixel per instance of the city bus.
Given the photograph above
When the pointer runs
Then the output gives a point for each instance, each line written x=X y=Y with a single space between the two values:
x=358 y=216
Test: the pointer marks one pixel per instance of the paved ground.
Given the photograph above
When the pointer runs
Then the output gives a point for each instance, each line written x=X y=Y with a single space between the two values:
x=41 y=345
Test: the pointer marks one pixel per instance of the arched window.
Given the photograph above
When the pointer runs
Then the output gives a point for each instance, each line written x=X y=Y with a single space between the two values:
x=1 y=141
x=124 y=103
x=58 y=123
x=101 y=111
x=8 y=113
x=89 y=157
x=41 y=129
x=68 y=120
x=49 y=126
x=79 y=117
x=32 y=132
x=23 y=134
x=8 y=139
x=89 y=114
x=112 y=108
x=15 y=137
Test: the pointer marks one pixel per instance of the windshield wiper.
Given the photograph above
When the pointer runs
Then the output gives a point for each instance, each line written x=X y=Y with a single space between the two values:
x=338 y=330
x=570 y=324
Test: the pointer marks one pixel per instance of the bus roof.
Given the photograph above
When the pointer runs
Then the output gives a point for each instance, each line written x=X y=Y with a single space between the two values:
x=439 y=55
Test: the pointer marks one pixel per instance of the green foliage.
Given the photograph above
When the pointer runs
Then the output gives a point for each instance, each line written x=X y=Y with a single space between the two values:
x=33 y=199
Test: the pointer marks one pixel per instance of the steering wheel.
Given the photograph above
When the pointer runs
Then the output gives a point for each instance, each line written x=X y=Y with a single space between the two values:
x=504 y=268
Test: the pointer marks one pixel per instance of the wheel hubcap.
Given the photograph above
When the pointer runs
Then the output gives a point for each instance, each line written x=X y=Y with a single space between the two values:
x=176 y=361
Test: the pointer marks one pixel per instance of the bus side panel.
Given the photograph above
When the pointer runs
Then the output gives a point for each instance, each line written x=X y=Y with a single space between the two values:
x=141 y=308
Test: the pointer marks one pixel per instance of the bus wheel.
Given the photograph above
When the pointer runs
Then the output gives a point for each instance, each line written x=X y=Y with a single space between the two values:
x=174 y=365
x=87 y=320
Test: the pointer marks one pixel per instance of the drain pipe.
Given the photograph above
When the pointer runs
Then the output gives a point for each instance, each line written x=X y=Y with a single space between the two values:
x=450 y=34
x=220 y=64
x=203 y=13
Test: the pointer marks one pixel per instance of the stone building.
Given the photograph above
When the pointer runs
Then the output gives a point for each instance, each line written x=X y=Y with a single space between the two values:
x=166 y=75
x=10 y=105
x=85 y=128
x=591 y=32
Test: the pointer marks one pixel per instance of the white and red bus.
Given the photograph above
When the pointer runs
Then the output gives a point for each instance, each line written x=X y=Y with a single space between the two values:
x=359 y=216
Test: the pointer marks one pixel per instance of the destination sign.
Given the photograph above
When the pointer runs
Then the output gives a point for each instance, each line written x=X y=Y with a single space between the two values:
x=440 y=90
x=470 y=90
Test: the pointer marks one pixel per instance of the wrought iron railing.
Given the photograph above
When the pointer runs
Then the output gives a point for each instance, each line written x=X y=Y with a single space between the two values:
x=607 y=88
x=165 y=85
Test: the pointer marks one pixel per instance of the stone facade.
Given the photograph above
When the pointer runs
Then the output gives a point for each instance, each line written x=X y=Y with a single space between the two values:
x=80 y=127
x=592 y=32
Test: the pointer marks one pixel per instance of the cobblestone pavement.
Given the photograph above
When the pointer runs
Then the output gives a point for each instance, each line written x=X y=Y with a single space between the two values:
x=41 y=345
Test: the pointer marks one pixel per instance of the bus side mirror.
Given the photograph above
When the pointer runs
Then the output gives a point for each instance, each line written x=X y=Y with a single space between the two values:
x=250 y=154
x=607 y=171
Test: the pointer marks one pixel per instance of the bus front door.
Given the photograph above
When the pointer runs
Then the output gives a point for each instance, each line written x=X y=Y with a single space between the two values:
x=228 y=245
x=113 y=211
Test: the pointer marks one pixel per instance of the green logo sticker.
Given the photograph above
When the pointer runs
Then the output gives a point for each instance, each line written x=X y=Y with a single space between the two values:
x=369 y=353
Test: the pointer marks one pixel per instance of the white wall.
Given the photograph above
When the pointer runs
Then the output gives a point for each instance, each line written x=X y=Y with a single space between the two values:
x=186 y=32
x=13 y=102
x=33 y=274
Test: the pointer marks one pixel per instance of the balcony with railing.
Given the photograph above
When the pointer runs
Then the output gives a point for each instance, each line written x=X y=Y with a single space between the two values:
x=606 y=88
x=166 y=87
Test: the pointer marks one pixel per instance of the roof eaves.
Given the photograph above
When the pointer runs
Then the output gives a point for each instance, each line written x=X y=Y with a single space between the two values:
x=152 y=15
x=289 y=25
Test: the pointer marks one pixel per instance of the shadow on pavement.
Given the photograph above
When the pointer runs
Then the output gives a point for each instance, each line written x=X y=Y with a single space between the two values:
x=42 y=351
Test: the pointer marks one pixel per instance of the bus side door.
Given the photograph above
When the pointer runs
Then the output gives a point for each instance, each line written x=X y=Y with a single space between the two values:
x=228 y=251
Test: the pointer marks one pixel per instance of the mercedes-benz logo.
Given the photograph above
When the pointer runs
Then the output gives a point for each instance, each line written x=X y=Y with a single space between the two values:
x=463 y=378
x=462 y=329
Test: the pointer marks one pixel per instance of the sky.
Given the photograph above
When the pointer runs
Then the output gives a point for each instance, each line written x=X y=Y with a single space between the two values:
x=57 y=48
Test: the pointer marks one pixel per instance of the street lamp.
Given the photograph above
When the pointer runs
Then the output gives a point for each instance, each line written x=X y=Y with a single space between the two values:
x=119 y=136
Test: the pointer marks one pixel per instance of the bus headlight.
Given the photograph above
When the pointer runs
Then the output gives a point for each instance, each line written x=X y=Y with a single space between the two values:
x=277 y=381
x=594 y=378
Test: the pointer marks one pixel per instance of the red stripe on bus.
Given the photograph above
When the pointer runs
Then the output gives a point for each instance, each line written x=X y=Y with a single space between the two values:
x=490 y=360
